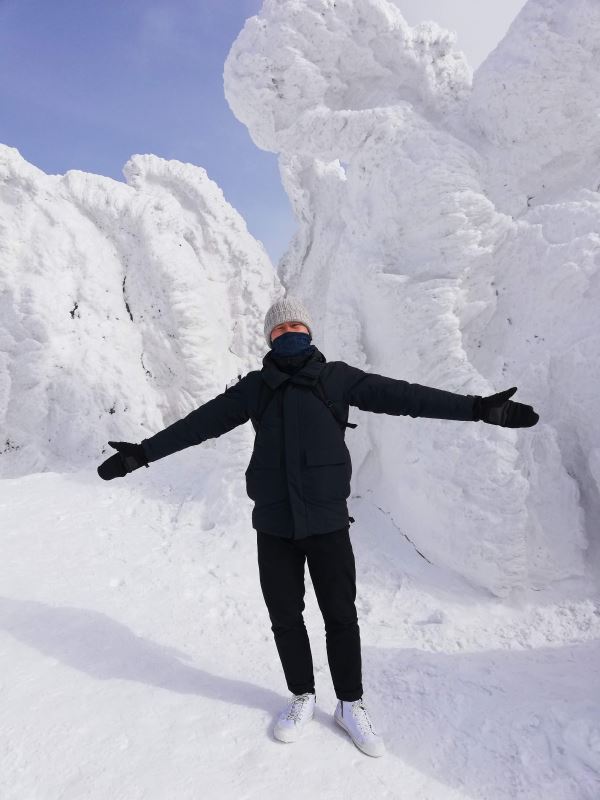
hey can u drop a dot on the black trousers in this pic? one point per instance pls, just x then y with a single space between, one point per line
332 570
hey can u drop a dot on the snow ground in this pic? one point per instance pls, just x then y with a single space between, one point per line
138 662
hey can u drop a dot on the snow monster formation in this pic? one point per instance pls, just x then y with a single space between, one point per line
122 306
448 235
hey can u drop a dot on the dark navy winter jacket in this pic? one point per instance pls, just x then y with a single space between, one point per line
300 469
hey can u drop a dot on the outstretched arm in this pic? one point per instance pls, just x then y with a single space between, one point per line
372 392
216 417
219 415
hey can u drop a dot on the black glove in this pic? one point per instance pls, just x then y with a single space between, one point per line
129 457
499 410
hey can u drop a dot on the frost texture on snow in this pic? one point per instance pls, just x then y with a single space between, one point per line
448 235
122 306
536 102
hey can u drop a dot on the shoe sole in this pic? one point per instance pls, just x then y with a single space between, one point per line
362 750
281 735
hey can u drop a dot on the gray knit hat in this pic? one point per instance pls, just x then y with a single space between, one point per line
289 309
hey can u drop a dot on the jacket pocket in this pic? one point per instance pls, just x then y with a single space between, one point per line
326 473
266 477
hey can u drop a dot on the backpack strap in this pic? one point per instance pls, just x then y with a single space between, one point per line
264 398
266 395
317 390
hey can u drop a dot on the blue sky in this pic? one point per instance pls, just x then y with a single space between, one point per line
85 84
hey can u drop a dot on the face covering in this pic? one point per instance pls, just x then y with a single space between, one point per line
291 344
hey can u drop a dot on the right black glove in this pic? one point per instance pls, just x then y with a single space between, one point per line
499 410
127 458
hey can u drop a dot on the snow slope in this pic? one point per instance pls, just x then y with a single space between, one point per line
122 306
138 663
428 253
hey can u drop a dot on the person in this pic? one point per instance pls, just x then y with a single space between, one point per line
299 480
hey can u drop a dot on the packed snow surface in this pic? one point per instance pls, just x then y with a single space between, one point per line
447 235
138 661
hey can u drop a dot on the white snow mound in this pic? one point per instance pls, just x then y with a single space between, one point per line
427 252
122 307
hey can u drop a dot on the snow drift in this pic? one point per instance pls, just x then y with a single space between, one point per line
122 307
448 236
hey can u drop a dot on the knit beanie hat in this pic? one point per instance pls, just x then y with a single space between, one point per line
288 309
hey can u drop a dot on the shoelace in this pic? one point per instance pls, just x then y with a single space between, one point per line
297 707
359 712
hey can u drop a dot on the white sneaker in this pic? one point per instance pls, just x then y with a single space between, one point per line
298 712
353 718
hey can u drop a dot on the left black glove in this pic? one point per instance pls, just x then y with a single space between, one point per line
497 409
127 458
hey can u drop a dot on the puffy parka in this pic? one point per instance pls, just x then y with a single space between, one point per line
299 472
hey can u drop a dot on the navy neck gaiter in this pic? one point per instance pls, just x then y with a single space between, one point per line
291 350
291 344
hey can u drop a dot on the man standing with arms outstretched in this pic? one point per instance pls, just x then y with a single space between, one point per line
299 479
